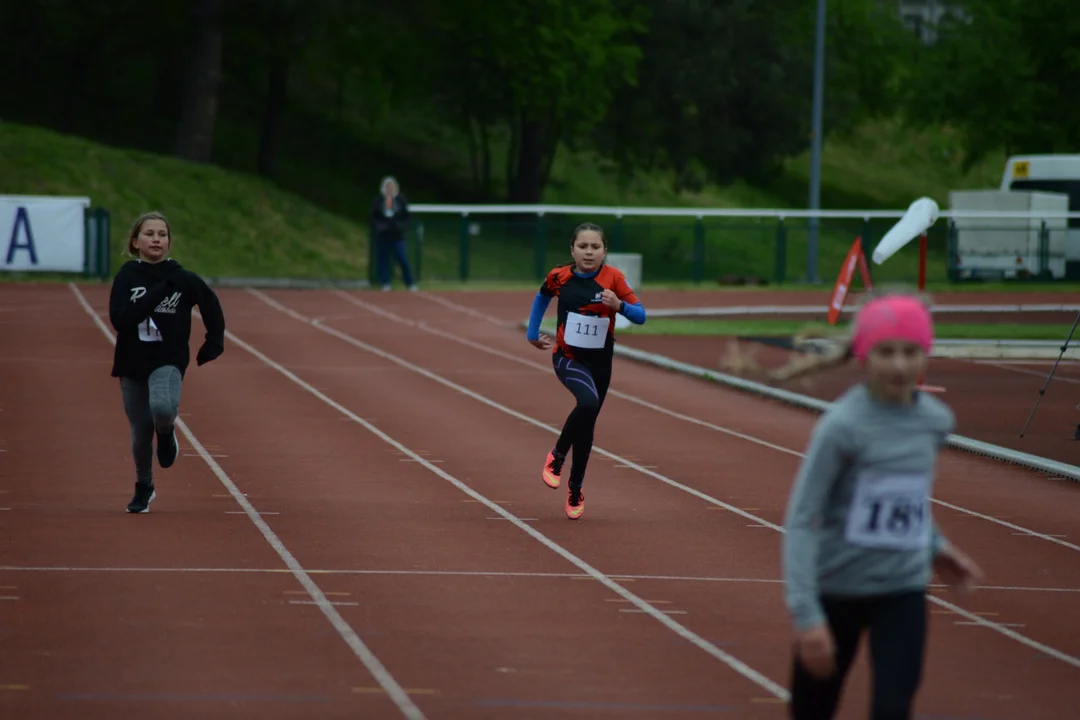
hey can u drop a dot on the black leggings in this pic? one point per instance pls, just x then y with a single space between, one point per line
589 384
897 625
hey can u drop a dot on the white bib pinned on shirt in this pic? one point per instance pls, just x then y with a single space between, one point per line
585 331
890 512
148 331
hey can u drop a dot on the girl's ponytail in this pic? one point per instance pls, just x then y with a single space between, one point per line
837 346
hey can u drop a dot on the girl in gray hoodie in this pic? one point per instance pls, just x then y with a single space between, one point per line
860 543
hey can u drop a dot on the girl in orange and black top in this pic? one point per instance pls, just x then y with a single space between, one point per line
590 293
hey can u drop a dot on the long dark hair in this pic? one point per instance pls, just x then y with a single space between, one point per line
588 226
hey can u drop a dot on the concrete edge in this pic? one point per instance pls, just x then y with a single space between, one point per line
958 442
287 283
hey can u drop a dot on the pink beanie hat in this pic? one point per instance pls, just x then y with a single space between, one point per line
892 318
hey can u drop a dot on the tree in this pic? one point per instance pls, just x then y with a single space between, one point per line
1005 76
198 118
545 71
724 86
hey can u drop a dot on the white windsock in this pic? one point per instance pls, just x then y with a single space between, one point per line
919 217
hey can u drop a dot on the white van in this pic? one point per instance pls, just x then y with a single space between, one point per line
1051 173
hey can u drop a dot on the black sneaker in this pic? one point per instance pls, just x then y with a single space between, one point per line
167 448
140 502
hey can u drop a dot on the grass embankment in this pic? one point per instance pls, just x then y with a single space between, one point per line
234 224
224 224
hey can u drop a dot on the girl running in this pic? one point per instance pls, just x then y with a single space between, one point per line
590 293
150 308
860 542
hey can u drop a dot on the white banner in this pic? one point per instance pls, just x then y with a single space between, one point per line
42 233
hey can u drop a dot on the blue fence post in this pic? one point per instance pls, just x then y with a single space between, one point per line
418 251
781 251
104 236
540 246
463 238
699 249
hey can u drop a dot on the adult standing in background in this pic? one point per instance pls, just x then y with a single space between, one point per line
389 221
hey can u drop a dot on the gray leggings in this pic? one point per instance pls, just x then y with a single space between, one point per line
150 405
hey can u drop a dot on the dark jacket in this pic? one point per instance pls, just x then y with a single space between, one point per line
390 228
150 308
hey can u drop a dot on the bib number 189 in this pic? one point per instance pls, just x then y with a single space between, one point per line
890 513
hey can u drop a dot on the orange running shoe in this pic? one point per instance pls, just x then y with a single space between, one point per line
553 469
575 503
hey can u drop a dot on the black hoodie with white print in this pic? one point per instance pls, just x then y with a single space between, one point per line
150 307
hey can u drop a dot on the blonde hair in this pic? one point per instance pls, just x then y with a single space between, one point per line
136 227
837 344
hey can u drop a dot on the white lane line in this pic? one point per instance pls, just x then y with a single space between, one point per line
374 666
502 408
468 573
1036 373
1036 645
730 660
671 413
467 310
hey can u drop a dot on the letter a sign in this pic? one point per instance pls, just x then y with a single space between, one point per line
22 222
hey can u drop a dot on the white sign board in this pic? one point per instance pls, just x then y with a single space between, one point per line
42 233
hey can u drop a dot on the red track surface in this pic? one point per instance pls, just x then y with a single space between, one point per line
190 612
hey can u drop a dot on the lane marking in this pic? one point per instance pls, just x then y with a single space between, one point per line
478 573
372 663
420 325
1036 373
730 660
1035 644
345 337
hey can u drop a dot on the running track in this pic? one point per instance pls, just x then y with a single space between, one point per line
356 528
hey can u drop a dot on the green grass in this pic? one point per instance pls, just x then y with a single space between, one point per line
786 328
223 223
229 223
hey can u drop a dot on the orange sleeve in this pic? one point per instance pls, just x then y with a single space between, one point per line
622 289
553 282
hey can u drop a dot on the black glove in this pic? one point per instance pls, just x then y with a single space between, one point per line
209 351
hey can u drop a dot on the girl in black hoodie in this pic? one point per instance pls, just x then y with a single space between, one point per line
150 307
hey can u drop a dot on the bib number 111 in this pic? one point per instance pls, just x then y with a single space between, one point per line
585 331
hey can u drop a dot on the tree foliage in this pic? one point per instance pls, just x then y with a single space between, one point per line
1005 76
711 89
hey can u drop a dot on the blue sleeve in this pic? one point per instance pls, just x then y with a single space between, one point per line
635 312
539 307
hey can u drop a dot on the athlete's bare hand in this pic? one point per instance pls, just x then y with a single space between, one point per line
609 298
816 651
543 342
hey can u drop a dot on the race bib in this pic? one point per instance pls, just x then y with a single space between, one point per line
148 331
584 331
890 512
